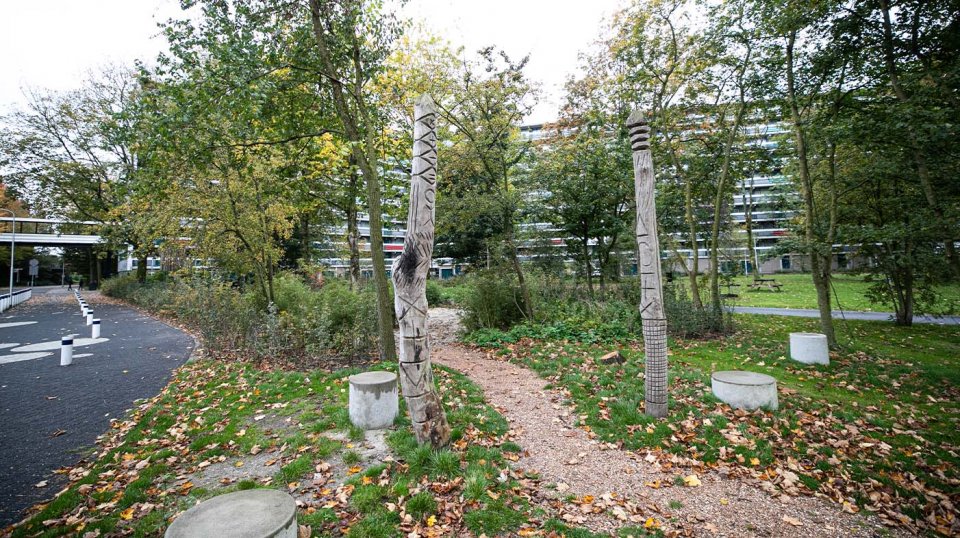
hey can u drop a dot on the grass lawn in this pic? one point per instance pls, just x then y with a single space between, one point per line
849 291
876 430
216 413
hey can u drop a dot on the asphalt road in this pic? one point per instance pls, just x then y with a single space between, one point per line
865 316
50 415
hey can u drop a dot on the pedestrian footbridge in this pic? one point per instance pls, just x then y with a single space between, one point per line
50 232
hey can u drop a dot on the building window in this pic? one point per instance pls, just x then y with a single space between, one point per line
841 261
785 263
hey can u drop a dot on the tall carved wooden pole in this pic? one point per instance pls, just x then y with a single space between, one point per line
410 284
648 265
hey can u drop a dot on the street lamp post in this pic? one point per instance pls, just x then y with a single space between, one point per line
13 249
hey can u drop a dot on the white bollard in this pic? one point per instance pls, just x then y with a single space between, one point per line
66 351
89 317
95 329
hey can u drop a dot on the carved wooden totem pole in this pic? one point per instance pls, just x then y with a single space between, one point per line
410 284
648 266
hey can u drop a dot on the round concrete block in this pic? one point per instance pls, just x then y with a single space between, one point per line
745 390
253 513
374 400
809 348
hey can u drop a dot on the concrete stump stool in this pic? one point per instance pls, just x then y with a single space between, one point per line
745 390
253 513
374 400
809 348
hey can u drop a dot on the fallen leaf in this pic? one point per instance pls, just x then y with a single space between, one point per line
127 514
40 484
691 481
793 521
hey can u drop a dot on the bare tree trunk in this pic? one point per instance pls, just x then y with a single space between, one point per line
305 240
141 268
721 189
388 346
694 272
410 272
751 245
648 265
821 279
585 243
359 128
515 260
353 231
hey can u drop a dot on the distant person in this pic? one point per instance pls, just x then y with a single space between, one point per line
80 284
69 283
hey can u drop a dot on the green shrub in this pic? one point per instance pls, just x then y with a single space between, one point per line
685 320
565 311
493 302
301 321
435 295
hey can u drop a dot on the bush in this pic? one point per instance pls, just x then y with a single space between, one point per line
435 295
566 311
493 302
685 320
332 320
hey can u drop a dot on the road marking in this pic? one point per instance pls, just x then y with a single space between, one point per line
4 359
16 324
5 346
55 344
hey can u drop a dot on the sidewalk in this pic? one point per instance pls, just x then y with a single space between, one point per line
837 314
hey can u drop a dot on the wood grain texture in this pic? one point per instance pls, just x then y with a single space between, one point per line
410 271
648 267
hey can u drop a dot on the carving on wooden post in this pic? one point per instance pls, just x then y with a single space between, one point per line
410 272
648 266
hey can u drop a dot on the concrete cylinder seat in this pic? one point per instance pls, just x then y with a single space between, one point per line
809 348
252 513
745 390
374 400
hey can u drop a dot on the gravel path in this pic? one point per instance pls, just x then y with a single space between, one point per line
565 455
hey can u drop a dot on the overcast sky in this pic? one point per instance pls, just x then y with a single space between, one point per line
53 43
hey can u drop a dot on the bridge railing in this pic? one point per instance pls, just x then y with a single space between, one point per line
8 301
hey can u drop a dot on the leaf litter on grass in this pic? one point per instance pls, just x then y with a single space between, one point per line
883 442
158 460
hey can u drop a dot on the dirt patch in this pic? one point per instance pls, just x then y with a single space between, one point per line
565 455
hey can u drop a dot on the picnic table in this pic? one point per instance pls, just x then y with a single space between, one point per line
767 283
730 286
